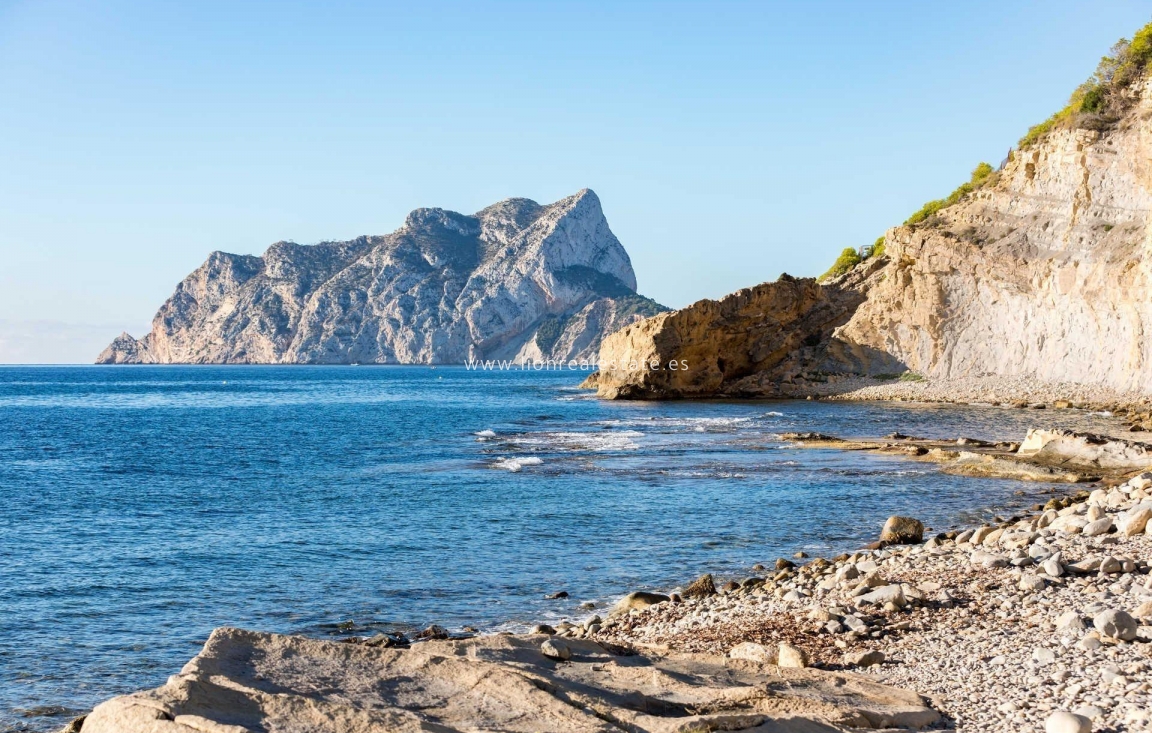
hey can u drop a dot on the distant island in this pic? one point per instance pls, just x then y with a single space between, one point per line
516 281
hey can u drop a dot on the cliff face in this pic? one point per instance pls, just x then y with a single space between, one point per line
1043 272
516 280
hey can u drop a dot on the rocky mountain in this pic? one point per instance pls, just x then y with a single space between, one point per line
1040 269
516 281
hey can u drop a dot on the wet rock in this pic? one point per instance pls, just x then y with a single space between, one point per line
556 596
433 632
387 641
543 629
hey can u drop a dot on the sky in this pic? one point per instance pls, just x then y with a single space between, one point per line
728 142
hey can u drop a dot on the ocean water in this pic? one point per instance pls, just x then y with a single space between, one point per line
140 507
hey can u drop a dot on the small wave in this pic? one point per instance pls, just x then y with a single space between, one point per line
485 434
773 414
577 441
515 465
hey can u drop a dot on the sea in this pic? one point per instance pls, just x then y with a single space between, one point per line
143 506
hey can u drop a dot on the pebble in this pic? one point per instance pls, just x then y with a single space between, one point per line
1062 721
791 656
864 659
556 649
1116 624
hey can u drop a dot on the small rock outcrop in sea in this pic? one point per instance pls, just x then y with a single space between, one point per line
1039 270
516 281
245 681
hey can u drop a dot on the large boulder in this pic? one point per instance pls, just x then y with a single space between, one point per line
638 600
902 531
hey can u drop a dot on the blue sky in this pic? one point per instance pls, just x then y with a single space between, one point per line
728 142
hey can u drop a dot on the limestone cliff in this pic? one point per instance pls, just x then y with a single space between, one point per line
516 280
1043 273
1040 270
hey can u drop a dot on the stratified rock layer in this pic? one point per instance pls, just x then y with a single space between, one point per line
245 681
1044 273
515 281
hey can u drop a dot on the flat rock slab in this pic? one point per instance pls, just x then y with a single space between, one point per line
268 683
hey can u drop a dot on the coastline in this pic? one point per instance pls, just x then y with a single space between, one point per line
999 625
972 616
1007 391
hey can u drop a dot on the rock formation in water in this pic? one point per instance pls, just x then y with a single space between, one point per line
246 681
516 281
740 344
1041 269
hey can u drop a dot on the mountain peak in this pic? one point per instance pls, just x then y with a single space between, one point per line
443 288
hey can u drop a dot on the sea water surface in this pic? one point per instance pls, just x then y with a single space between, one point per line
140 507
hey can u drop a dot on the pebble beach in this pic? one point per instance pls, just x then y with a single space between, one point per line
1041 623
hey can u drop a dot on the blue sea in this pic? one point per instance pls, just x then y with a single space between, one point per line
140 507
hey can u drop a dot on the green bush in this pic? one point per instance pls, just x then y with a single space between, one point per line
981 176
848 259
1126 63
911 377
878 247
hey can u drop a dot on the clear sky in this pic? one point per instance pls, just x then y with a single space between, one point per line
728 142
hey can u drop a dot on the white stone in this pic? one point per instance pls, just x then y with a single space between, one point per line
1116 624
1064 722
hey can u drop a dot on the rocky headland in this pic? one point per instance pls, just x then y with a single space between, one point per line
515 281
1035 272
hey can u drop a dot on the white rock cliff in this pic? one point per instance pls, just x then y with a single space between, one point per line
1042 273
516 281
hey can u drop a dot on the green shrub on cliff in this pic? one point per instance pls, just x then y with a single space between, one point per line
878 248
848 259
1098 102
981 176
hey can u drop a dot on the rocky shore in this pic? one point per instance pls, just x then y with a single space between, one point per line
1041 623
1012 391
